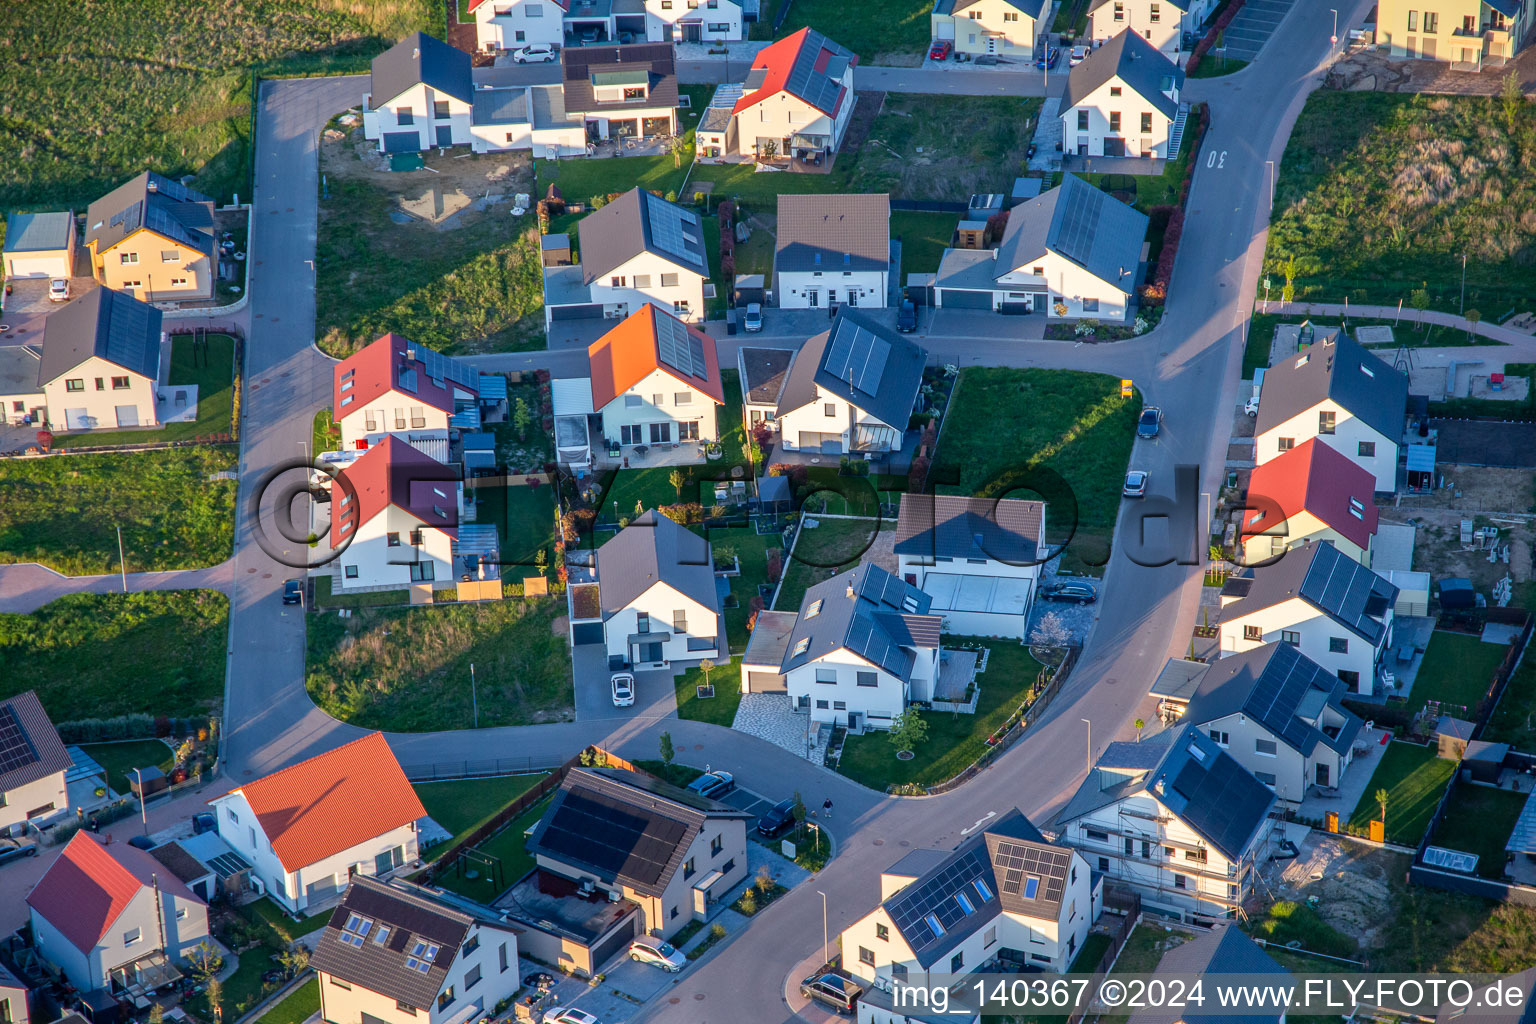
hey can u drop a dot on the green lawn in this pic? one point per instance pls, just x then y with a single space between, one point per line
580 180
1155 189
325 435
1414 778
1287 921
508 849
463 805
719 709
1456 671
1261 336
278 918
213 371
1215 65
1004 423
525 523
836 545
733 429
1514 720
751 548
639 490
1479 820
64 511
755 255
408 669
954 740
924 237
298 1006
119 759
367 599
102 655
871 30
1380 195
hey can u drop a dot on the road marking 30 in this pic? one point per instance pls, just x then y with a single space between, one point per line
1216 160
980 822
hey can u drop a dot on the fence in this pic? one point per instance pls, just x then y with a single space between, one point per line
447 771
928 206
1501 675
1128 903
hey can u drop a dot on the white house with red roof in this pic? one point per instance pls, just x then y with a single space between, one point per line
396 387
395 516
798 95
655 380
110 915
311 827
1310 493
510 24
693 21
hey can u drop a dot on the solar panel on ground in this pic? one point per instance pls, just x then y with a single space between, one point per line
15 749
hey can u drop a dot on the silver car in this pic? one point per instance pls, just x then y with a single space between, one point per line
753 320
623 689
657 953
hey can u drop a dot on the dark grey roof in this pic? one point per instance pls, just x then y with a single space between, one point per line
1179 679
833 233
866 364
624 827
952 526
501 106
984 876
1137 63
180 863
639 222
653 549
548 103
763 371
972 269
155 202
1275 685
884 621
111 324
770 638
30 748
1342 369
1036 9
917 863
1134 755
410 914
579 63
420 58
1080 223
1223 951
38 232
1327 579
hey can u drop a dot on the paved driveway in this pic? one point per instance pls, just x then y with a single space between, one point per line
655 696
1255 23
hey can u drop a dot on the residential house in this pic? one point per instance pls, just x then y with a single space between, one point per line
100 363
1310 493
33 763
1005 898
153 237
110 916
395 518
977 558
763 373
631 838
621 92
15 1001
1280 715
1341 394
835 248
22 402
314 826
39 246
530 117
658 597
511 24
851 389
694 21
395 387
1124 101
1163 23
395 953
637 249
863 647
197 876
655 380
797 99
1320 601
420 96
1175 819
1072 251
1473 33
1224 950
1004 28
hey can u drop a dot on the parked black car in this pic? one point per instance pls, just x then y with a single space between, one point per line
906 317
16 849
836 993
779 819
713 785
142 842
293 592
1080 591
203 823
1150 423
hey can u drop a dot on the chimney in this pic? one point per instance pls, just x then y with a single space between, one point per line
415 53
152 186
851 594
410 355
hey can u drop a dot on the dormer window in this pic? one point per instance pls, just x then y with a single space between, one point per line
355 930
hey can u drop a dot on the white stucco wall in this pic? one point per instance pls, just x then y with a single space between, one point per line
636 281
347 1003
1301 528
509 24
718 20
383 116
699 408
46 795
781 115
1071 284
185 921
862 288
1348 434
1099 106
878 704
392 413
378 564
1116 16
813 418
992 26
661 602
99 397
1315 630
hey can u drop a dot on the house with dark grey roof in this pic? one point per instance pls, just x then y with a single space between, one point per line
1280 715
39 245
525 117
1338 392
1006 28
851 389
101 362
978 559
832 248
396 953
1222 950
1320 601
621 92
1073 251
1123 100
797 99
763 372
420 96
33 763
660 602
634 840
153 237
1005 899
1163 23
1174 818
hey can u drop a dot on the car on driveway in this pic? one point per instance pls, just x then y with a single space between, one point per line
293 592
537 54
1076 56
1150 423
779 819
570 1015
16 849
941 49
1135 484
1080 591
836 993
58 289
623 689
753 320
1048 59
714 785
906 317
648 950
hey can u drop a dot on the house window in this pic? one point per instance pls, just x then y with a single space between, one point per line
101 385
867 678
1198 856
866 956
1413 21
1114 120
1010 17
680 307
666 5
1103 863
503 958
661 433
616 281
1115 90
1285 444
471 945
418 416
801 646
688 431
634 93
405 115
630 433
826 675
1181 881
440 108
957 963
472 978
338 983
422 572
78 384
445 998
133 935
119 383
350 571
1096 835
1325 422
381 935
1146 124
1366 450
355 930
1253 632
839 705
1357 508
128 259
688 869
178 282
964 902
716 845
642 622
1338 645
1350 679
683 398
405 1007
1119 12
1266 778
680 621
1155 14
822 705
882 932
370 419
1089 306
422 955
1221 738
1431 21
1082 126
170 256
1290 636
392 540
1267 748
814 610
829 409
934 926
669 280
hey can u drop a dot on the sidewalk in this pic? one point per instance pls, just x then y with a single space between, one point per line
1430 316
27 586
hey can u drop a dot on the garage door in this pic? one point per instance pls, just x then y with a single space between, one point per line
78 419
766 682
1114 147
1014 308
613 944
951 298
24 267
402 142
587 633
127 415
946 29
588 311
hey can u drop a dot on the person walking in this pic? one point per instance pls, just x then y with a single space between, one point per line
826 809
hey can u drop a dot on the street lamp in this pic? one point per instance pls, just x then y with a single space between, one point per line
824 942
1462 306
1333 40
1088 754
143 817
1270 167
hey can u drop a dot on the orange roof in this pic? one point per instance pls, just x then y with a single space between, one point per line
627 354
90 886
333 801
1315 478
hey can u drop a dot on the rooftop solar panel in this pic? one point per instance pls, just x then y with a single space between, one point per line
1080 221
679 348
15 749
667 231
612 837
440 367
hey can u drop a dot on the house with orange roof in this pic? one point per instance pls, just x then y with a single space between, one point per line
111 916
395 516
655 380
1310 493
798 96
395 386
313 826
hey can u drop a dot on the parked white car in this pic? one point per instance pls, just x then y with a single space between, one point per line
58 289
623 689
657 953
570 1015
539 53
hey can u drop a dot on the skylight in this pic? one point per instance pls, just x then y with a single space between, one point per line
965 903
982 891
1031 887
422 955
814 610
801 646
934 926
355 930
382 935
1357 508
1196 753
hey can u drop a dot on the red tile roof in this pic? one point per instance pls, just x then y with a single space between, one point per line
779 61
1318 479
376 370
393 472
333 801
91 884
627 354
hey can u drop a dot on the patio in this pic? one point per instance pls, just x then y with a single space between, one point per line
957 674
642 456
1370 746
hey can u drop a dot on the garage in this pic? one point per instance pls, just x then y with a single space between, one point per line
586 633
127 415
402 142
611 946
39 246
767 682
954 298
78 419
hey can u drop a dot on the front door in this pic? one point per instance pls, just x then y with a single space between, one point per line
812 297
855 721
666 33
853 296
445 135
1323 776
692 32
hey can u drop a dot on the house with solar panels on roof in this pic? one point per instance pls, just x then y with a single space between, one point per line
1073 251
659 602
637 249
798 96
153 237
656 380
1123 100
850 390
101 363
33 765
420 96
395 387
1320 601
621 92
1005 899
832 248
1175 819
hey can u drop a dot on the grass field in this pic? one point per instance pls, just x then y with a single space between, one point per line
525 523
408 669
119 759
214 376
870 30
1216 65
941 147
720 709
1261 337
1414 778
508 851
1156 189
751 548
103 655
64 512
1514 720
1381 194
924 237
296 1007
1002 424
1457 671
835 546
462 806
1479 820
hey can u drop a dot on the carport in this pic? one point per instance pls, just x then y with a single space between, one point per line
765 653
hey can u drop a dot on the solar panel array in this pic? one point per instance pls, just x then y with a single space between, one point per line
177 191
128 333
857 355
680 348
130 216
1345 589
1286 679
440 367
674 231
936 895
159 219
1079 220
817 88
15 749
866 639
612 836
1020 862
1221 800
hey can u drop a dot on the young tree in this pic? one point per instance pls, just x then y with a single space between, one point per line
749 902
522 419
908 730
1513 100
668 751
215 991
1288 293
1419 300
1140 725
770 149
706 666
764 881
156 1014
1048 637
639 508
1473 318
677 478
1381 798
679 150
